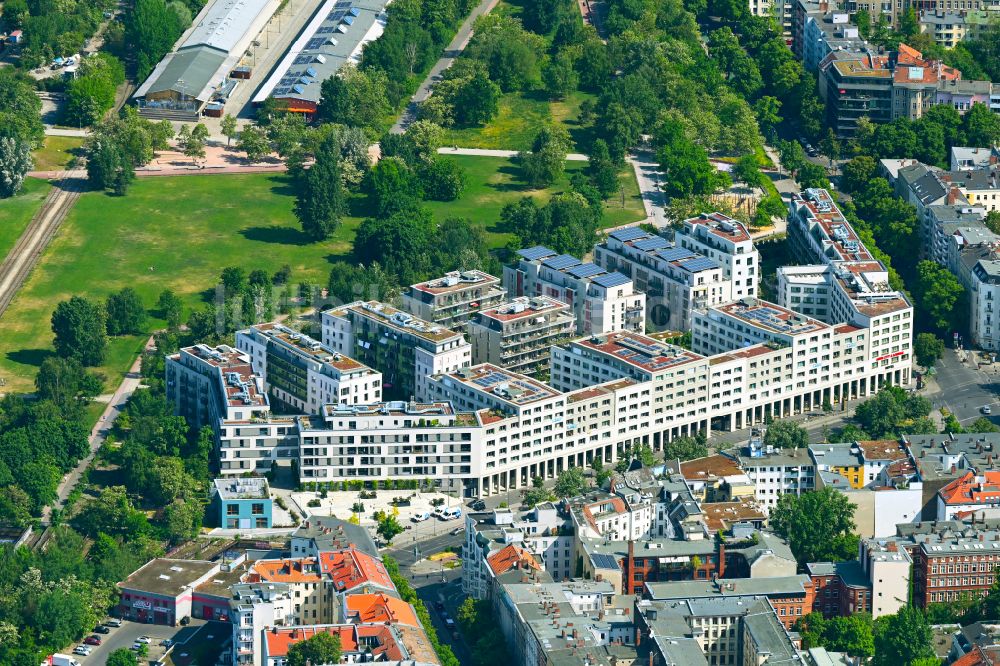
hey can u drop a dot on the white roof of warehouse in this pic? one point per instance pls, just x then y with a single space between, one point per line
223 23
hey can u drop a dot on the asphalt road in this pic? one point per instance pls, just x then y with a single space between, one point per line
965 389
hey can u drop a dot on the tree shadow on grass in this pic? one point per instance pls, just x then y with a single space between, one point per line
32 357
516 185
276 234
283 185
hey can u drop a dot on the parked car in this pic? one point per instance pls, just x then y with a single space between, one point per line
478 505
82 650
449 623
438 606
144 639
101 629
986 409
113 622
457 531
420 517
167 642
92 640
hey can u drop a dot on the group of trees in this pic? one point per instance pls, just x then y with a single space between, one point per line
20 129
120 144
91 93
81 327
52 28
152 27
567 223
891 640
483 633
818 525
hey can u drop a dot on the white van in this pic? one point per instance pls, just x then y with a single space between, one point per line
421 517
451 514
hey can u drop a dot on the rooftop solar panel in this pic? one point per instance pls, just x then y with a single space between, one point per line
602 561
302 59
585 270
314 43
674 254
536 253
652 243
610 280
562 262
698 264
628 233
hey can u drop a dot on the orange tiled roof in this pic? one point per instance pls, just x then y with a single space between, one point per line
380 607
978 657
350 567
509 557
280 639
301 570
972 489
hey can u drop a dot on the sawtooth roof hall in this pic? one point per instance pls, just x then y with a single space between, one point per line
204 55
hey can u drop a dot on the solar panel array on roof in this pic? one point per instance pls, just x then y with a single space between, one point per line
698 264
536 253
602 561
585 270
674 254
651 355
315 43
651 243
610 280
628 233
562 262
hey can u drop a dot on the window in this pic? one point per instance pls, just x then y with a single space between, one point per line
232 509
257 509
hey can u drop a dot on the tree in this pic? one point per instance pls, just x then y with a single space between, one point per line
112 513
545 162
441 179
570 482
254 142
937 292
228 126
150 32
355 97
992 221
15 507
601 473
853 634
320 201
786 434
122 657
818 525
169 305
890 412
857 174
402 240
15 163
126 314
388 527
746 171
394 187
902 638
538 493
80 330
927 348
182 520
602 170
559 75
192 142
686 164
685 448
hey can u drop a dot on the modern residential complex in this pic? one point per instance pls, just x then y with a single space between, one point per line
602 300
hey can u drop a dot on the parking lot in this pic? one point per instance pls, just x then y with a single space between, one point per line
125 635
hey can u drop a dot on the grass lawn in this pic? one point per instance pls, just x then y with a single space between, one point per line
16 212
179 232
56 153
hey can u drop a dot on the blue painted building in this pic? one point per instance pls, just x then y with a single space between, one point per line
241 503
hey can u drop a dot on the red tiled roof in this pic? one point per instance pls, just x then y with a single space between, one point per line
380 607
972 489
350 567
510 557
978 657
302 570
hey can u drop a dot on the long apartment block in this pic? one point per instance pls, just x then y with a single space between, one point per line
847 284
679 277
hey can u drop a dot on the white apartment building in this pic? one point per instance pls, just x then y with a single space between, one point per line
454 299
602 300
405 349
517 335
394 440
253 609
208 384
979 271
676 280
726 241
301 374
776 473
856 290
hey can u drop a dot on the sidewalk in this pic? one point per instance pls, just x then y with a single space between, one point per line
487 152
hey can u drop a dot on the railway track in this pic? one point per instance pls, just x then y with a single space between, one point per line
40 231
